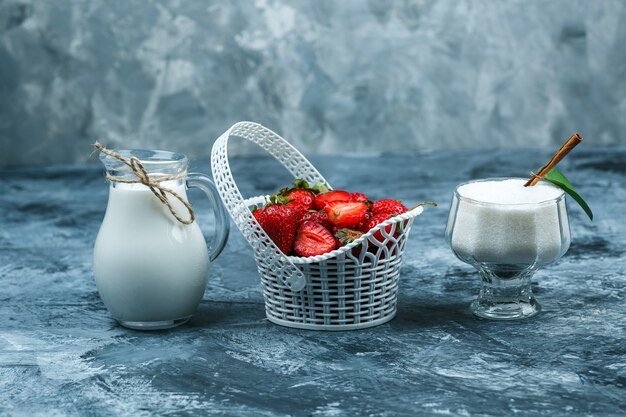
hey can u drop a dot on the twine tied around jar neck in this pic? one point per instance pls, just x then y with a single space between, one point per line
154 184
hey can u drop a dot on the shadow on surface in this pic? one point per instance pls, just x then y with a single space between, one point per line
225 313
415 312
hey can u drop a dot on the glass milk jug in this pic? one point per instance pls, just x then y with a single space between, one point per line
150 257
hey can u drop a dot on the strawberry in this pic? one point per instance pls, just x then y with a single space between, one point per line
280 224
346 213
316 216
301 202
322 200
375 220
368 216
313 239
360 197
392 207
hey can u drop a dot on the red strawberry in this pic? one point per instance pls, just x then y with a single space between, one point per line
368 216
388 206
279 223
346 214
316 216
313 239
322 200
301 202
360 197
375 220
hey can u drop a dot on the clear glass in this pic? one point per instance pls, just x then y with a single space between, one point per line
150 269
507 243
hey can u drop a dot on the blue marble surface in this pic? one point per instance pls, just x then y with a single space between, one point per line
330 75
62 354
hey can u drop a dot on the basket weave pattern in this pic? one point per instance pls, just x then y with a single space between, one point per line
352 287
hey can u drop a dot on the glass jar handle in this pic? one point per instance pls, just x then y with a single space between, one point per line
222 222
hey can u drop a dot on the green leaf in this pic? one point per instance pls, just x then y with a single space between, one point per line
557 178
298 184
321 188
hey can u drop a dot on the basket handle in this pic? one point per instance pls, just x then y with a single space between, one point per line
290 158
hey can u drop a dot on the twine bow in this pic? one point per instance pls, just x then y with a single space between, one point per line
154 184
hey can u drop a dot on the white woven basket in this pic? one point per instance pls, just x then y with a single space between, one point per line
353 287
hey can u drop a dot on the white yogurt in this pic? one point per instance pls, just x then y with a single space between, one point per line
501 221
148 266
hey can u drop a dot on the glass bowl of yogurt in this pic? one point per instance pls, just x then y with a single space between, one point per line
507 232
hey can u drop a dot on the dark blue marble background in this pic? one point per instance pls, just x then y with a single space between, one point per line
61 354
330 75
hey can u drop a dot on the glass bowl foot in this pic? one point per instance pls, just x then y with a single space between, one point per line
154 325
505 310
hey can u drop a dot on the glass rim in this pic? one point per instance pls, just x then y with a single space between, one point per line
149 156
486 203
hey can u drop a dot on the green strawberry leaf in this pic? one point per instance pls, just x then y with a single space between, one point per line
557 178
430 203
321 188
300 184
347 236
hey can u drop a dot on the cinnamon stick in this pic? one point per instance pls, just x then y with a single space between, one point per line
570 144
